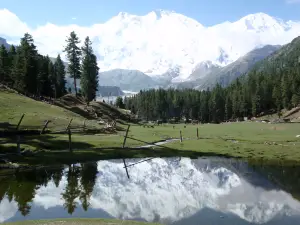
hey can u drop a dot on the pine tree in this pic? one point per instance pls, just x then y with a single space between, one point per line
276 94
60 76
119 103
73 56
11 60
30 57
25 69
17 71
52 79
89 69
94 76
4 65
295 100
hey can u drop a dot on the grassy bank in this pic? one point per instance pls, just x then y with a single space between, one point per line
79 222
256 141
249 140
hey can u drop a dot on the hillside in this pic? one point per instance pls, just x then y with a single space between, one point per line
59 112
224 76
132 80
271 85
3 42
208 75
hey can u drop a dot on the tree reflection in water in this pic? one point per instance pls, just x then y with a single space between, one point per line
21 187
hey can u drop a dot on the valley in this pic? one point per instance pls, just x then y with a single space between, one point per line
149 118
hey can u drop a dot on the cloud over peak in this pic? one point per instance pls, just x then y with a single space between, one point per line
157 43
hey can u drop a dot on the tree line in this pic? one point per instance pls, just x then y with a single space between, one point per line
25 70
272 85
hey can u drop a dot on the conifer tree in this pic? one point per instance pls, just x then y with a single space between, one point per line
25 69
73 55
4 65
89 69
60 77
119 102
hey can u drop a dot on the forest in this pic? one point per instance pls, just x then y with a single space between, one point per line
25 70
272 85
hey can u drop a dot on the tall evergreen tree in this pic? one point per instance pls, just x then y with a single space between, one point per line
25 69
44 83
52 79
4 65
73 56
89 72
60 75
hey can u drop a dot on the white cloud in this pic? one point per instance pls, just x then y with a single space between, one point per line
11 25
148 44
49 38
73 18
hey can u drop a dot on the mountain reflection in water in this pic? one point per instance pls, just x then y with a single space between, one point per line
168 191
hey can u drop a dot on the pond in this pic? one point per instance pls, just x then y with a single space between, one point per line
179 191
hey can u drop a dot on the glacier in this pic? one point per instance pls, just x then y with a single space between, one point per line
161 40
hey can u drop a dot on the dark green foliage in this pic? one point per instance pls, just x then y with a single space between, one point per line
4 65
120 103
88 180
25 66
270 86
73 55
30 73
60 77
72 190
45 77
89 72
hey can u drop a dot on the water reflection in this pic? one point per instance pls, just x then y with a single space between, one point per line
169 191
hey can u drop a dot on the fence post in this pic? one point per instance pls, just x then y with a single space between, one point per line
126 168
67 128
180 136
70 140
20 121
124 142
84 125
197 133
18 144
125 137
46 124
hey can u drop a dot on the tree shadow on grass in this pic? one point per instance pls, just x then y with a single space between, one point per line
46 142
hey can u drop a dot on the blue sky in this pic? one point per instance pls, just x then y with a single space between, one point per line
87 12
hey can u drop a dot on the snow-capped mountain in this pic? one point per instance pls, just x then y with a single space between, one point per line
170 191
163 40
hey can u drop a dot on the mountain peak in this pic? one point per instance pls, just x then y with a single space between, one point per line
163 12
261 22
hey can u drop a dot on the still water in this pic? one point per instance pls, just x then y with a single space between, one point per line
179 191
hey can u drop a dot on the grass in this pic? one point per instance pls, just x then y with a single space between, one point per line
254 141
36 112
251 140
79 222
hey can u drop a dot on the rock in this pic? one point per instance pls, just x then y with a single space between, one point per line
13 165
3 161
27 153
